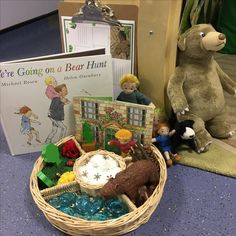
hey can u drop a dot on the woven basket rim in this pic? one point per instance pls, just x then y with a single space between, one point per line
77 226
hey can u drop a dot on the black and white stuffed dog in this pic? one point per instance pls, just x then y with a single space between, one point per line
184 134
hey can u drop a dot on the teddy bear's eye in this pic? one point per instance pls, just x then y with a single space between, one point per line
202 34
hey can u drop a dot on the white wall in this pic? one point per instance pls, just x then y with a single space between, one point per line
16 11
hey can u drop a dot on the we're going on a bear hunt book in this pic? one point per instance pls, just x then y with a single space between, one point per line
37 94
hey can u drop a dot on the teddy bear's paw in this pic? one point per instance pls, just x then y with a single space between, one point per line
179 113
231 133
202 140
205 148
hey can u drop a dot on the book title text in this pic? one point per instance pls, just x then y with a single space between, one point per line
40 72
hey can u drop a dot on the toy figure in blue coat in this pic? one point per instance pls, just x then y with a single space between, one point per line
129 84
163 140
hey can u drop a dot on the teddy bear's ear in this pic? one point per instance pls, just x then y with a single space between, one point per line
182 42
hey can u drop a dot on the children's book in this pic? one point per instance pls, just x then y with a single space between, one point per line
37 93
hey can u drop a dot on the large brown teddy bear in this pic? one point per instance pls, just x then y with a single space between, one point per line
196 88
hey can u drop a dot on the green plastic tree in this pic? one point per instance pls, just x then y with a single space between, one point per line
88 135
51 154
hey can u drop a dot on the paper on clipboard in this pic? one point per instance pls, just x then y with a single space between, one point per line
89 35
84 36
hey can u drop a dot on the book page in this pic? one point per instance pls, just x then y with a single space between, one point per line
84 36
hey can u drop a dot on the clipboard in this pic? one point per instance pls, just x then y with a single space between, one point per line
156 32
130 13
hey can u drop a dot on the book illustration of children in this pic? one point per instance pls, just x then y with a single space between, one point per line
28 117
56 113
51 83
50 92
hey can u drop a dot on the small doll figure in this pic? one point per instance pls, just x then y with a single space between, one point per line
164 142
129 84
159 116
124 141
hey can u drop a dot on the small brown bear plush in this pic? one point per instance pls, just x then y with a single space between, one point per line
130 180
196 88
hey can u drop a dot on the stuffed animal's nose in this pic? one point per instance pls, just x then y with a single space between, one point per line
191 136
221 36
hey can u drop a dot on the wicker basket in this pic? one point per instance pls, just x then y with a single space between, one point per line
89 188
76 226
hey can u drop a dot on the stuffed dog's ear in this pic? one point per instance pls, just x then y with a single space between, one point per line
189 123
182 42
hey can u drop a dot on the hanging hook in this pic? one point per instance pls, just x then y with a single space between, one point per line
93 10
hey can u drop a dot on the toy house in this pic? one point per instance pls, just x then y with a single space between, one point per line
97 121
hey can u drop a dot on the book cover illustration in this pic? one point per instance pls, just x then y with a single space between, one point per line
36 97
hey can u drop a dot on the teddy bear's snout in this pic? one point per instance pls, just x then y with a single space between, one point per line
214 41
221 36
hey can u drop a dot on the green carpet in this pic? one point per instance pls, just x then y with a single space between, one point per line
220 159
